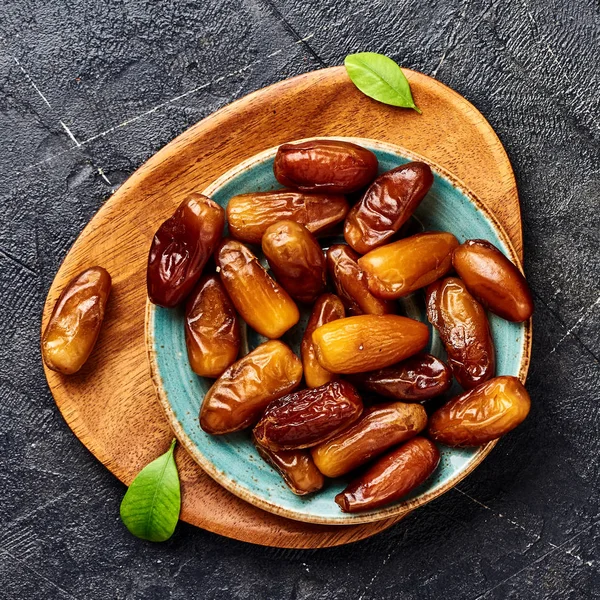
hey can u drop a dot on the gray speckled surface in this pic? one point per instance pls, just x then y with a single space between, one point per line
526 523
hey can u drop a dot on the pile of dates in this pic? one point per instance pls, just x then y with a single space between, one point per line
363 398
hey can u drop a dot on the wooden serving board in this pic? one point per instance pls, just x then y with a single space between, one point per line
110 404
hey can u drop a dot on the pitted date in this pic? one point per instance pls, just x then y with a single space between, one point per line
493 280
379 428
249 215
238 398
296 259
391 477
482 414
351 283
327 308
296 468
368 342
325 165
402 267
74 326
259 299
464 329
387 205
308 417
212 328
415 379
180 249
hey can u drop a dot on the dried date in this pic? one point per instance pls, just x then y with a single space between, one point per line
379 428
180 249
308 417
75 323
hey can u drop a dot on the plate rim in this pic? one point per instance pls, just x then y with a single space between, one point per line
231 485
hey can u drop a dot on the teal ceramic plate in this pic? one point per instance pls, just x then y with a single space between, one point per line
232 459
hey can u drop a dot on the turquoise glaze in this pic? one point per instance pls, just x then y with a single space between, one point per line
232 459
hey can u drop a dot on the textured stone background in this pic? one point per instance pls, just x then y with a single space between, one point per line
116 76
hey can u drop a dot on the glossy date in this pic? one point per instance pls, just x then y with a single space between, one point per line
493 280
237 399
249 215
325 165
351 283
308 417
464 329
391 477
482 414
259 299
296 259
296 468
379 428
368 342
387 205
402 267
327 308
75 323
180 249
212 328
415 379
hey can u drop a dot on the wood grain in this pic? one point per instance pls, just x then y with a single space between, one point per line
111 404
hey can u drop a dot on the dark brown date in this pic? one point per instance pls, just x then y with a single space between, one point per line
416 379
368 342
325 165
74 326
180 249
249 215
212 328
402 267
493 280
379 428
237 399
386 206
464 329
482 414
296 259
259 299
327 308
391 477
308 417
296 468
351 283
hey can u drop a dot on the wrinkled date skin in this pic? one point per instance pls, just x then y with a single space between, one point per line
237 399
296 468
259 299
351 283
296 259
391 477
402 267
387 205
325 165
326 309
379 428
74 326
308 417
368 342
212 328
249 215
464 329
493 280
416 379
180 249
482 414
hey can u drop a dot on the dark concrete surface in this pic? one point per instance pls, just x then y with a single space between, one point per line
122 78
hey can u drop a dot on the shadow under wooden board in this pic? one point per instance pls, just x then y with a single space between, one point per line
111 404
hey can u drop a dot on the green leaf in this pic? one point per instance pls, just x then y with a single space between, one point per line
379 77
150 508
